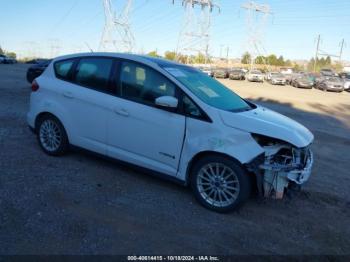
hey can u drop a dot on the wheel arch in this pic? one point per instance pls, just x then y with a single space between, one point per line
203 154
46 113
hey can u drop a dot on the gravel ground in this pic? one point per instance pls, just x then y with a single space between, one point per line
82 204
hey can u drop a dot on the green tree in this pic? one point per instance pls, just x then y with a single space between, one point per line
1 51
272 59
246 58
288 63
153 53
199 59
12 55
280 61
170 55
260 60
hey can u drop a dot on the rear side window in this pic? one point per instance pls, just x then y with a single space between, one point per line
62 69
94 73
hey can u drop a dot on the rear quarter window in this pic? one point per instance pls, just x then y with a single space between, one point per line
62 69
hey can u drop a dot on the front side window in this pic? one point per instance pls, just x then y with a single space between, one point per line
62 69
190 108
209 90
94 73
143 84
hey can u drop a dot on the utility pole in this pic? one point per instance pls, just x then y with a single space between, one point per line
317 50
341 50
227 52
257 15
117 35
194 37
54 47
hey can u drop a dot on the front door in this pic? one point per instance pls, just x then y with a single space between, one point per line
138 131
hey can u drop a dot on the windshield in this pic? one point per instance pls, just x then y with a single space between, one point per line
207 89
277 75
255 72
334 79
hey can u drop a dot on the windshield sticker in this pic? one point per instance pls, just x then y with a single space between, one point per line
175 72
209 92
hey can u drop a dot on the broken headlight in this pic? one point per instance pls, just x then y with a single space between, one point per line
266 140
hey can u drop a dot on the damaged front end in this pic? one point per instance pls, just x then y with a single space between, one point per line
280 166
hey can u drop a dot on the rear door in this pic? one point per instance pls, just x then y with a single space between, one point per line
138 131
84 97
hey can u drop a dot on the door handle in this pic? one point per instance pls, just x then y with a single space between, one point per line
121 112
68 95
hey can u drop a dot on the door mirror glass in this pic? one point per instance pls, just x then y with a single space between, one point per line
167 101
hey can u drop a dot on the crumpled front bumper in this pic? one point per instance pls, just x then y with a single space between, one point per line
273 178
301 176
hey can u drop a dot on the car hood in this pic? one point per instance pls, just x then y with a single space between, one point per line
266 122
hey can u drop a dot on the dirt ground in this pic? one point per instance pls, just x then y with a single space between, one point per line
82 204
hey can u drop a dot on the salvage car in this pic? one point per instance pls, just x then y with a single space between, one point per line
334 84
237 74
255 76
207 70
302 81
36 70
172 120
2 59
346 78
277 78
7 60
221 73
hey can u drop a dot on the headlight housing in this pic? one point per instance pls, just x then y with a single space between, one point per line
266 140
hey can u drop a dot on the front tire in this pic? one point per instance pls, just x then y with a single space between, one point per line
52 136
219 183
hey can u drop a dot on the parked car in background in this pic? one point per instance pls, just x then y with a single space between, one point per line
221 73
276 78
207 70
255 76
302 81
293 77
237 74
346 78
36 70
7 60
334 84
327 72
37 61
193 129
2 59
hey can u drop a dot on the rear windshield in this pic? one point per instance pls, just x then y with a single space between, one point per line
209 90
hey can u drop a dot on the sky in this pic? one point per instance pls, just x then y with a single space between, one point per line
55 27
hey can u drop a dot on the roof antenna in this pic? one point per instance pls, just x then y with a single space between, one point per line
89 47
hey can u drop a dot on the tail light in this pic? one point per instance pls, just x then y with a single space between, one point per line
35 86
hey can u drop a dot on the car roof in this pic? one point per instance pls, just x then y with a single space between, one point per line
138 58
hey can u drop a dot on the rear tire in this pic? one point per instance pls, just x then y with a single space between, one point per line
219 183
52 136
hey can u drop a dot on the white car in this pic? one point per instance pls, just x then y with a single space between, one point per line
172 120
255 76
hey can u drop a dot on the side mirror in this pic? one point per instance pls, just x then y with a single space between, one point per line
167 102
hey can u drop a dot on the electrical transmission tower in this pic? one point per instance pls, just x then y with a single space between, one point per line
257 17
117 35
194 36
319 52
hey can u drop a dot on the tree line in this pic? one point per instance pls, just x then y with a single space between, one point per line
9 54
